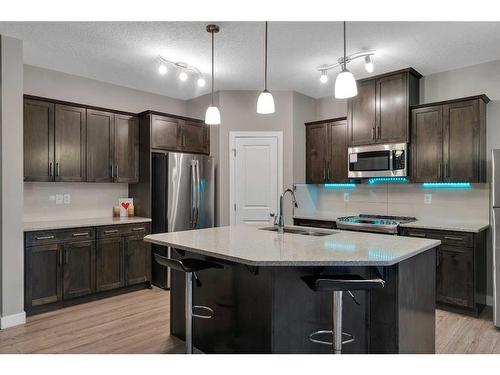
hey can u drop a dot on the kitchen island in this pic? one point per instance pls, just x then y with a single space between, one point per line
262 305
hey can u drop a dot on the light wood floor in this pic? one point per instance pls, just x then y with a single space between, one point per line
138 322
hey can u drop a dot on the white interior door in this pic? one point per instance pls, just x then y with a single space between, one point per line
255 177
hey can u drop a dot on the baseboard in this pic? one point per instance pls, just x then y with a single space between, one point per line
12 320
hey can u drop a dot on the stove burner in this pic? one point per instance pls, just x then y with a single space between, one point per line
373 223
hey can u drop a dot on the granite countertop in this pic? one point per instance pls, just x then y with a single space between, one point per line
453 225
249 245
30 226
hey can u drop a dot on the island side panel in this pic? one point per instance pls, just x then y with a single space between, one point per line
299 311
417 304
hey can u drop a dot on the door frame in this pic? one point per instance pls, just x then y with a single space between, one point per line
233 135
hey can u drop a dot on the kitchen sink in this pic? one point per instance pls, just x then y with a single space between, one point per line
304 232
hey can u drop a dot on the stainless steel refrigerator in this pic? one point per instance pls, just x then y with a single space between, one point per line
182 199
495 214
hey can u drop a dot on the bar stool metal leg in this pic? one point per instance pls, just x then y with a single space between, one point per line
189 312
337 322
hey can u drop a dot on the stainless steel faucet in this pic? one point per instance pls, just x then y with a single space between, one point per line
281 223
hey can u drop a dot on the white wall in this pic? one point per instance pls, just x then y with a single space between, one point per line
87 199
11 186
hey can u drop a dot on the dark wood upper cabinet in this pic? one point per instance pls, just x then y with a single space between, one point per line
100 135
38 141
164 132
326 151
380 112
110 264
69 143
43 271
79 268
361 114
337 164
449 141
195 137
126 148
427 144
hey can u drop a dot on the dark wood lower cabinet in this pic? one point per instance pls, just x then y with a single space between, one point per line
65 267
79 269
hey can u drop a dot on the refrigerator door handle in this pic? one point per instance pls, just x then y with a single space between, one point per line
198 193
193 193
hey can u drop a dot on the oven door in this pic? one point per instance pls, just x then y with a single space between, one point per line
377 161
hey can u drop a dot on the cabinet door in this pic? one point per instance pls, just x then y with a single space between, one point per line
43 275
461 141
100 128
38 140
427 144
195 137
455 276
164 132
79 269
126 149
70 139
316 153
361 115
392 109
337 162
109 264
137 260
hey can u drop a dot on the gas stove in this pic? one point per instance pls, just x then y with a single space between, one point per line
373 223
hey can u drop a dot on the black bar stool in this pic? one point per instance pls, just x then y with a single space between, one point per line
189 266
337 284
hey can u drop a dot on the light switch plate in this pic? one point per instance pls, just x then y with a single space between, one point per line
428 198
346 197
59 199
67 198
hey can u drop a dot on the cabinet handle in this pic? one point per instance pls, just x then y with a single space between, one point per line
328 171
373 132
453 251
111 231
446 170
51 237
57 170
112 171
51 169
417 234
80 234
440 169
60 257
138 229
116 171
453 238
324 172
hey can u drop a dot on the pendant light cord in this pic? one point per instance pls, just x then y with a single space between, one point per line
212 68
265 62
344 47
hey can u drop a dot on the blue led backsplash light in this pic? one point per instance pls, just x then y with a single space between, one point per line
340 186
385 180
446 185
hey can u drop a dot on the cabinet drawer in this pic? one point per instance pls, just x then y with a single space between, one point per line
122 230
59 235
447 238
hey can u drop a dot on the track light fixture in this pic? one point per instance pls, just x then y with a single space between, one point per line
184 68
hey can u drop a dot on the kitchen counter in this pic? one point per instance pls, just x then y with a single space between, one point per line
30 226
451 225
252 246
259 293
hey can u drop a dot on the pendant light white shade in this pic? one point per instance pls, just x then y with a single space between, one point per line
345 85
212 116
265 103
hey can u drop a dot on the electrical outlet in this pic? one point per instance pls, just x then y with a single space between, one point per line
427 198
67 198
346 197
59 199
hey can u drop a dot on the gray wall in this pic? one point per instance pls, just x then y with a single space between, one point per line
329 107
12 302
304 109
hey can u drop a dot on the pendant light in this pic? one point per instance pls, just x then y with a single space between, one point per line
265 103
212 116
345 83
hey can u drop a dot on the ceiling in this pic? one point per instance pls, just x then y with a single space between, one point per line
125 53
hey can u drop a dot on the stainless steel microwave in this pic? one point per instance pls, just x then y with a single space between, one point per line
384 160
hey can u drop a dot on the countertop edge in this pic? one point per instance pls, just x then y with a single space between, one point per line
435 243
69 225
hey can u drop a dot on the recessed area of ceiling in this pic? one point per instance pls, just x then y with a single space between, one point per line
126 53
